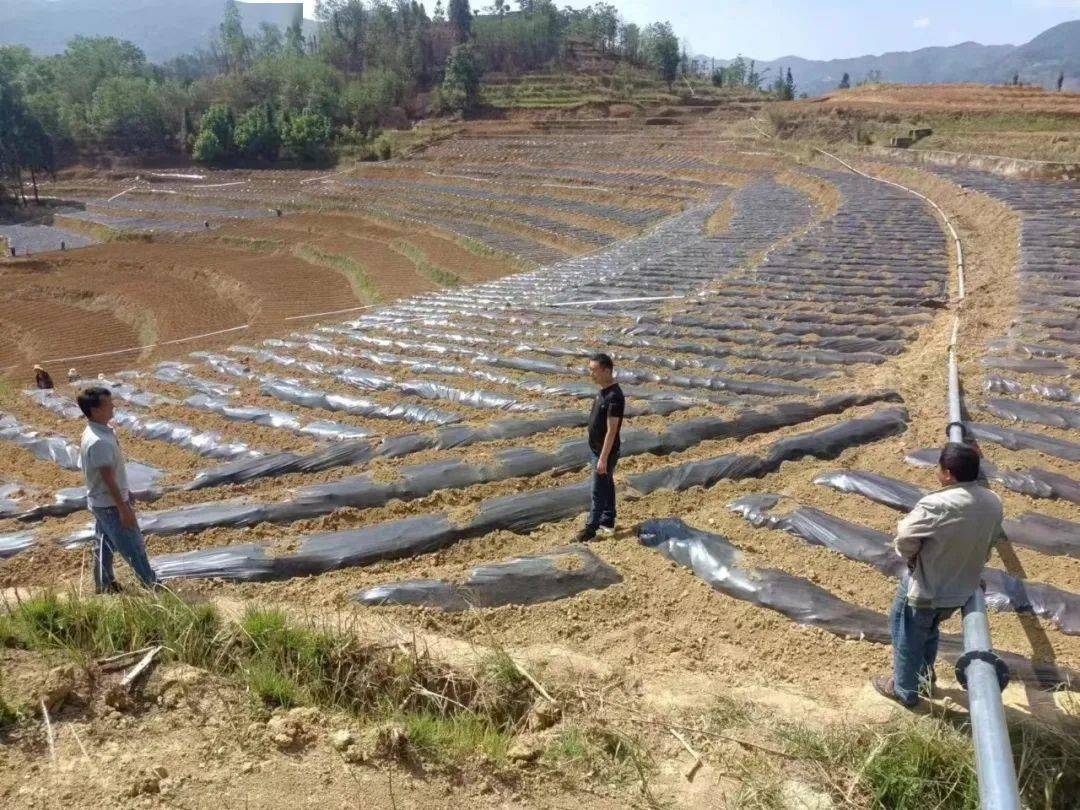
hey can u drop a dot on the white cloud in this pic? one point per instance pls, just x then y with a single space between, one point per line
921 22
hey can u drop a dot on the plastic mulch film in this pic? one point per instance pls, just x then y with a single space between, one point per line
547 577
878 488
209 445
715 560
1021 440
1043 533
142 482
1015 410
330 551
56 449
1034 481
821 529
826 442
1006 385
14 542
298 394
178 374
1004 592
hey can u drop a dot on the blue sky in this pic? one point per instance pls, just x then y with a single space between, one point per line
824 29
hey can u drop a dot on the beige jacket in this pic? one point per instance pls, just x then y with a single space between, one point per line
947 539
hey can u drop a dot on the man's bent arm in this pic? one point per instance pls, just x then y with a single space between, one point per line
917 526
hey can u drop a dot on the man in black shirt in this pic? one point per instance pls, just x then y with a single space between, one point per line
605 421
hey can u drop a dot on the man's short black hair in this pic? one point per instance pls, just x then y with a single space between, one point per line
961 460
603 359
90 398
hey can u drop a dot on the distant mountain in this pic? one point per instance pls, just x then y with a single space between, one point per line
1038 62
162 28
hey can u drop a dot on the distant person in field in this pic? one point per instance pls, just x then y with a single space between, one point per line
605 422
42 379
72 375
107 494
946 540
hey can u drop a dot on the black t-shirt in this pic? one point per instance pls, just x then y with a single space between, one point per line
609 402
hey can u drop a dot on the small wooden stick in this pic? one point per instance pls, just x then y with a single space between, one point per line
533 681
49 730
139 668
82 747
698 762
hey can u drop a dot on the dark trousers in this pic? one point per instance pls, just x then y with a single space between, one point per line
915 634
602 512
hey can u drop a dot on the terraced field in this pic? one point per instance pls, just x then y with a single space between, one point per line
423 460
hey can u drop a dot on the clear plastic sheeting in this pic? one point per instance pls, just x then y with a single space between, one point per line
15 542
238 413
1034 481
1043 533
334 550
54 402
1015 410
56 449
1006 385
1004 592
298 394
142 482
209 445
826 442
821 529
715 560
878 488
178 374
547 577
1021 440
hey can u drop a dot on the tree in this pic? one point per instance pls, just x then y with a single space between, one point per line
216 142
1016 79
234 45
789 86
664 51
1061 80
307 135
630 42
845 82
346 24
460 17
439 13
126 114
256 134
460 91
294 39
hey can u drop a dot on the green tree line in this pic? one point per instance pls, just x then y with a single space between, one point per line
265 95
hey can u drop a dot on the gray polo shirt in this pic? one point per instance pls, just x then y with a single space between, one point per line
99 448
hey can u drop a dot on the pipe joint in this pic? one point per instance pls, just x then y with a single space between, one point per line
1000 667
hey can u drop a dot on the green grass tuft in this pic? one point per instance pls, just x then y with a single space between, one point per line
358 277
452 738
424 265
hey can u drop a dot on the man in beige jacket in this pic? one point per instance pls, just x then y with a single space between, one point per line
946 540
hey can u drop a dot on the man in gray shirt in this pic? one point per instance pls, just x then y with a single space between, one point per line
946 540
108 496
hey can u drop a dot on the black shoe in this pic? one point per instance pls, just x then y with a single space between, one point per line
112 587
585 535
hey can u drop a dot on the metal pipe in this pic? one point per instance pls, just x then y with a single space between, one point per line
979 670
989 731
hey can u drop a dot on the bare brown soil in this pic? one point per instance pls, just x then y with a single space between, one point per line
980 98
660 647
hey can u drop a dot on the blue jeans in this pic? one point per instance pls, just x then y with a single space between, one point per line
602 512
915 634
110 537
